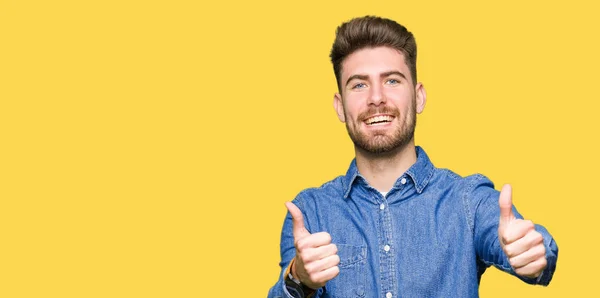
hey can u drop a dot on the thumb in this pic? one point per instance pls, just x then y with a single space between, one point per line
505 203
297 220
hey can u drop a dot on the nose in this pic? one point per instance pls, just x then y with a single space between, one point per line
376 96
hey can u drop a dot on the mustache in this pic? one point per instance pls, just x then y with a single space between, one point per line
378 110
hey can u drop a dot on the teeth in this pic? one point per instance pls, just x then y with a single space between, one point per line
379 119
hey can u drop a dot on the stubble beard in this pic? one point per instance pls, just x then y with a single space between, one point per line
380 142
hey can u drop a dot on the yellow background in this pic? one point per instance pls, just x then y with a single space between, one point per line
148 147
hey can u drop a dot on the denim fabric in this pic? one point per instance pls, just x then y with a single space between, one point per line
432 235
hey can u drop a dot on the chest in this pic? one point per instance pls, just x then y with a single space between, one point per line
390 243
421 222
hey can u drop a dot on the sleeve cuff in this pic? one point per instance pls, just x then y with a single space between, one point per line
551 257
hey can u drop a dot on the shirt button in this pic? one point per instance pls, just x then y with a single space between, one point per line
382 206
386 248
388 295
403 181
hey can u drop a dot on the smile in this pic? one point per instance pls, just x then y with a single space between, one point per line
379 119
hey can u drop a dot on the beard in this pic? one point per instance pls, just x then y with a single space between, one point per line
380 142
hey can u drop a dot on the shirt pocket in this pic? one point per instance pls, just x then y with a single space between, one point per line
351 280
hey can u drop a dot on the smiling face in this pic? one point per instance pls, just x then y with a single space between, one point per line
378 100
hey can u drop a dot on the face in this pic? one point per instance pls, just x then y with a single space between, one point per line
378 100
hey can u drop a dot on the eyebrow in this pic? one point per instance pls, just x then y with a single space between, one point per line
382 75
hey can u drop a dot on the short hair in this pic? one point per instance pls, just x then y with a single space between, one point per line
371 32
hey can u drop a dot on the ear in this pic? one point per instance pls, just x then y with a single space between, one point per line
338 105
421 97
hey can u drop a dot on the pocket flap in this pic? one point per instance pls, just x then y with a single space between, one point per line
351 254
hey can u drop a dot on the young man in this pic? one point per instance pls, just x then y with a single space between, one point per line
395 225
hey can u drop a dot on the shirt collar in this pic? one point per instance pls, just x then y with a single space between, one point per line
420 172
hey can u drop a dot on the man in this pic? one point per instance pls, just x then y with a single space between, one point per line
395 225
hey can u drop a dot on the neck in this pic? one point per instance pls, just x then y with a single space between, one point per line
382 170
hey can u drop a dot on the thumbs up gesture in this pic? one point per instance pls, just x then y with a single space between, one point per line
316 257
521 243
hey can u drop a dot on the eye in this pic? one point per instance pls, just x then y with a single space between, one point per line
392 82
359 86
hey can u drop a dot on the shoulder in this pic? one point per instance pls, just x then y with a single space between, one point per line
475 193
448 178
471 190
328 190
316 201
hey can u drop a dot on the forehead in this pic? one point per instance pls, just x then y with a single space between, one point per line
374 61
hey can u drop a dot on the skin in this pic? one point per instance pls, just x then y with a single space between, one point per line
316 257
377 82
521 243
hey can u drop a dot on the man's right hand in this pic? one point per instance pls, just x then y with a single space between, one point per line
316 257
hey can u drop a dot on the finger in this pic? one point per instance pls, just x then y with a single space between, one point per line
322 264
533 269
505 203
531 239
298 229
326 275
318 253
313 240
533 254
517 230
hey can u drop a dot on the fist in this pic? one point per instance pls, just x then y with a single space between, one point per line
316 257
521 243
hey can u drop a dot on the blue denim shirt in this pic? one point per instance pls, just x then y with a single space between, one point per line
432 235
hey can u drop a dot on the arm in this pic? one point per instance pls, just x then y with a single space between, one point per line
504 239
287 252
313 258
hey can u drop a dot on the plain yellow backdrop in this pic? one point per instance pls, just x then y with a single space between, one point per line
148 147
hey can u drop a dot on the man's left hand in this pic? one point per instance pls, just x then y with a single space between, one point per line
522 244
